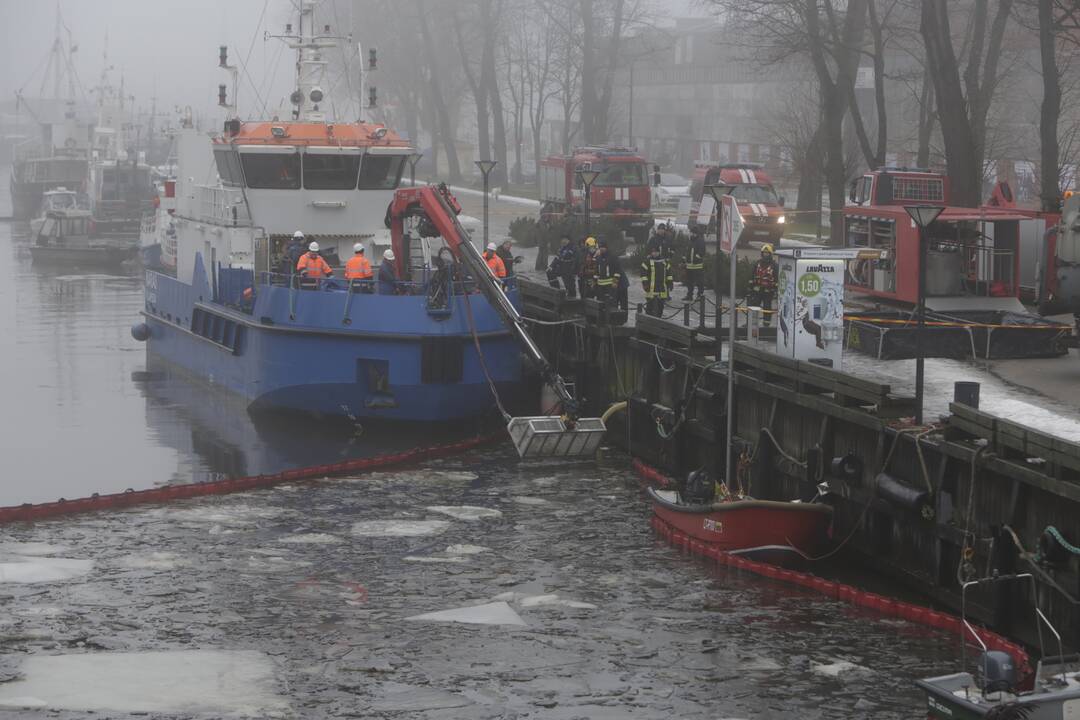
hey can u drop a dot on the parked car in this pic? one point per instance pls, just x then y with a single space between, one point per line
672 187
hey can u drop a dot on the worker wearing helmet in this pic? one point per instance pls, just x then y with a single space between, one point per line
494 262
662 238
656 281
587 273
312 265
388 279
763 283
293 252
608 273
695 263
564 267
506 254
358 267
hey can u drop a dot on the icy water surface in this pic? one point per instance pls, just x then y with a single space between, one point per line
393 595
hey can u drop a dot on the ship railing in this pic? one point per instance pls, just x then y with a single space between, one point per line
332 284
222 206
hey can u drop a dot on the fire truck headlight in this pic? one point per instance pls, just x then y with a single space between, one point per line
780 220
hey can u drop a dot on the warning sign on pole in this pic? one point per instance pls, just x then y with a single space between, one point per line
731 225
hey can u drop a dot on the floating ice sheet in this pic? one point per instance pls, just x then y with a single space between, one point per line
493 613
310 539
528 500
398 528
465 512
153 561
181 682
436 558
43 570
537 600
466 549
837 668
32 549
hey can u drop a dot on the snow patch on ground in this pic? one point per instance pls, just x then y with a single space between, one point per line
465 512
398 528
181 682
310 539
43 570
493 613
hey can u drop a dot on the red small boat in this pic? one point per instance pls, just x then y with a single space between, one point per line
782 533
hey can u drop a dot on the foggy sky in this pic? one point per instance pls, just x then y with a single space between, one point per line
164 46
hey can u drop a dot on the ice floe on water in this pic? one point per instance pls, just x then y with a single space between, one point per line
527 500
540 599
399 528
465 512
466 549
310 539
239 683
837 668
235 514
43 570
493 613
31 549
153 561
414 477
436 558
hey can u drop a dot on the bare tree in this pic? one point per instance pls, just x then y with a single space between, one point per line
433 87
963 106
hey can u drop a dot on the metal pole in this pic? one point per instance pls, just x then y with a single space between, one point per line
486 210
630 129
731 364
717 277
588 206
919 329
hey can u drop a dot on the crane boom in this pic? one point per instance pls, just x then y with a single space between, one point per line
438 210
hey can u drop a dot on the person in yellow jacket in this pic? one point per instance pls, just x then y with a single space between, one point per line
657 281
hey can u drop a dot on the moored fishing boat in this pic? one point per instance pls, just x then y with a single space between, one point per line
63 238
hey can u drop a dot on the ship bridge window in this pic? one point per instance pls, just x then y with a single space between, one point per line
331 168
271 168
228 166
381 172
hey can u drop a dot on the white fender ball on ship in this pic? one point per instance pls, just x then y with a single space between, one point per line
140 331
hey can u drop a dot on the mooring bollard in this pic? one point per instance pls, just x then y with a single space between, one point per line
686 315
966 392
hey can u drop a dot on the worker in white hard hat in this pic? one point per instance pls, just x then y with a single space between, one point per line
388 276
494 262
358 267
294 250
312 265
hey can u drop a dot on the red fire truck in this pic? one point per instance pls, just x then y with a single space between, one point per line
622 191
973 254
762 209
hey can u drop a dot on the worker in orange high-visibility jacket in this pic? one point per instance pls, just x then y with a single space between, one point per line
494 262
358 267
312 265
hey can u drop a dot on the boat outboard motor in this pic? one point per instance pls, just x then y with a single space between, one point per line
998 671
699 488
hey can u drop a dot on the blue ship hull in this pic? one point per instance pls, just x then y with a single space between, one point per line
331 352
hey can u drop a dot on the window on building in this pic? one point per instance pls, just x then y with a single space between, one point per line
381 172
271 171
330 171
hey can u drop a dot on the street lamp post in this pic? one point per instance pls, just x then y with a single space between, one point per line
413 159
588 177
718 193
486 166
924 216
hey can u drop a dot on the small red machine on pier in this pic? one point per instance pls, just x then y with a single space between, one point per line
973 254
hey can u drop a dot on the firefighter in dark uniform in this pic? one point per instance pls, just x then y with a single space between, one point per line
661 238
695 263
608 274
657 281
763 283
564 266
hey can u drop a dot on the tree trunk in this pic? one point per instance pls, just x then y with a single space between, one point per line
603 109
961 153
479 89
1050 112
926 119
589 99
446 132
489 77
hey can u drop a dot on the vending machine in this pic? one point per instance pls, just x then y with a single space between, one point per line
810 305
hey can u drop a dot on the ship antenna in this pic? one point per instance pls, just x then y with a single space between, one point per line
311 64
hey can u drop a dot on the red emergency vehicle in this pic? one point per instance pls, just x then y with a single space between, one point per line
622 191
973 254
761 208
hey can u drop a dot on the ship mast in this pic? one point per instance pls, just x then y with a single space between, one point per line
309 97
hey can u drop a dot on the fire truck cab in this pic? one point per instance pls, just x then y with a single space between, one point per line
972 258
761 208
622 191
